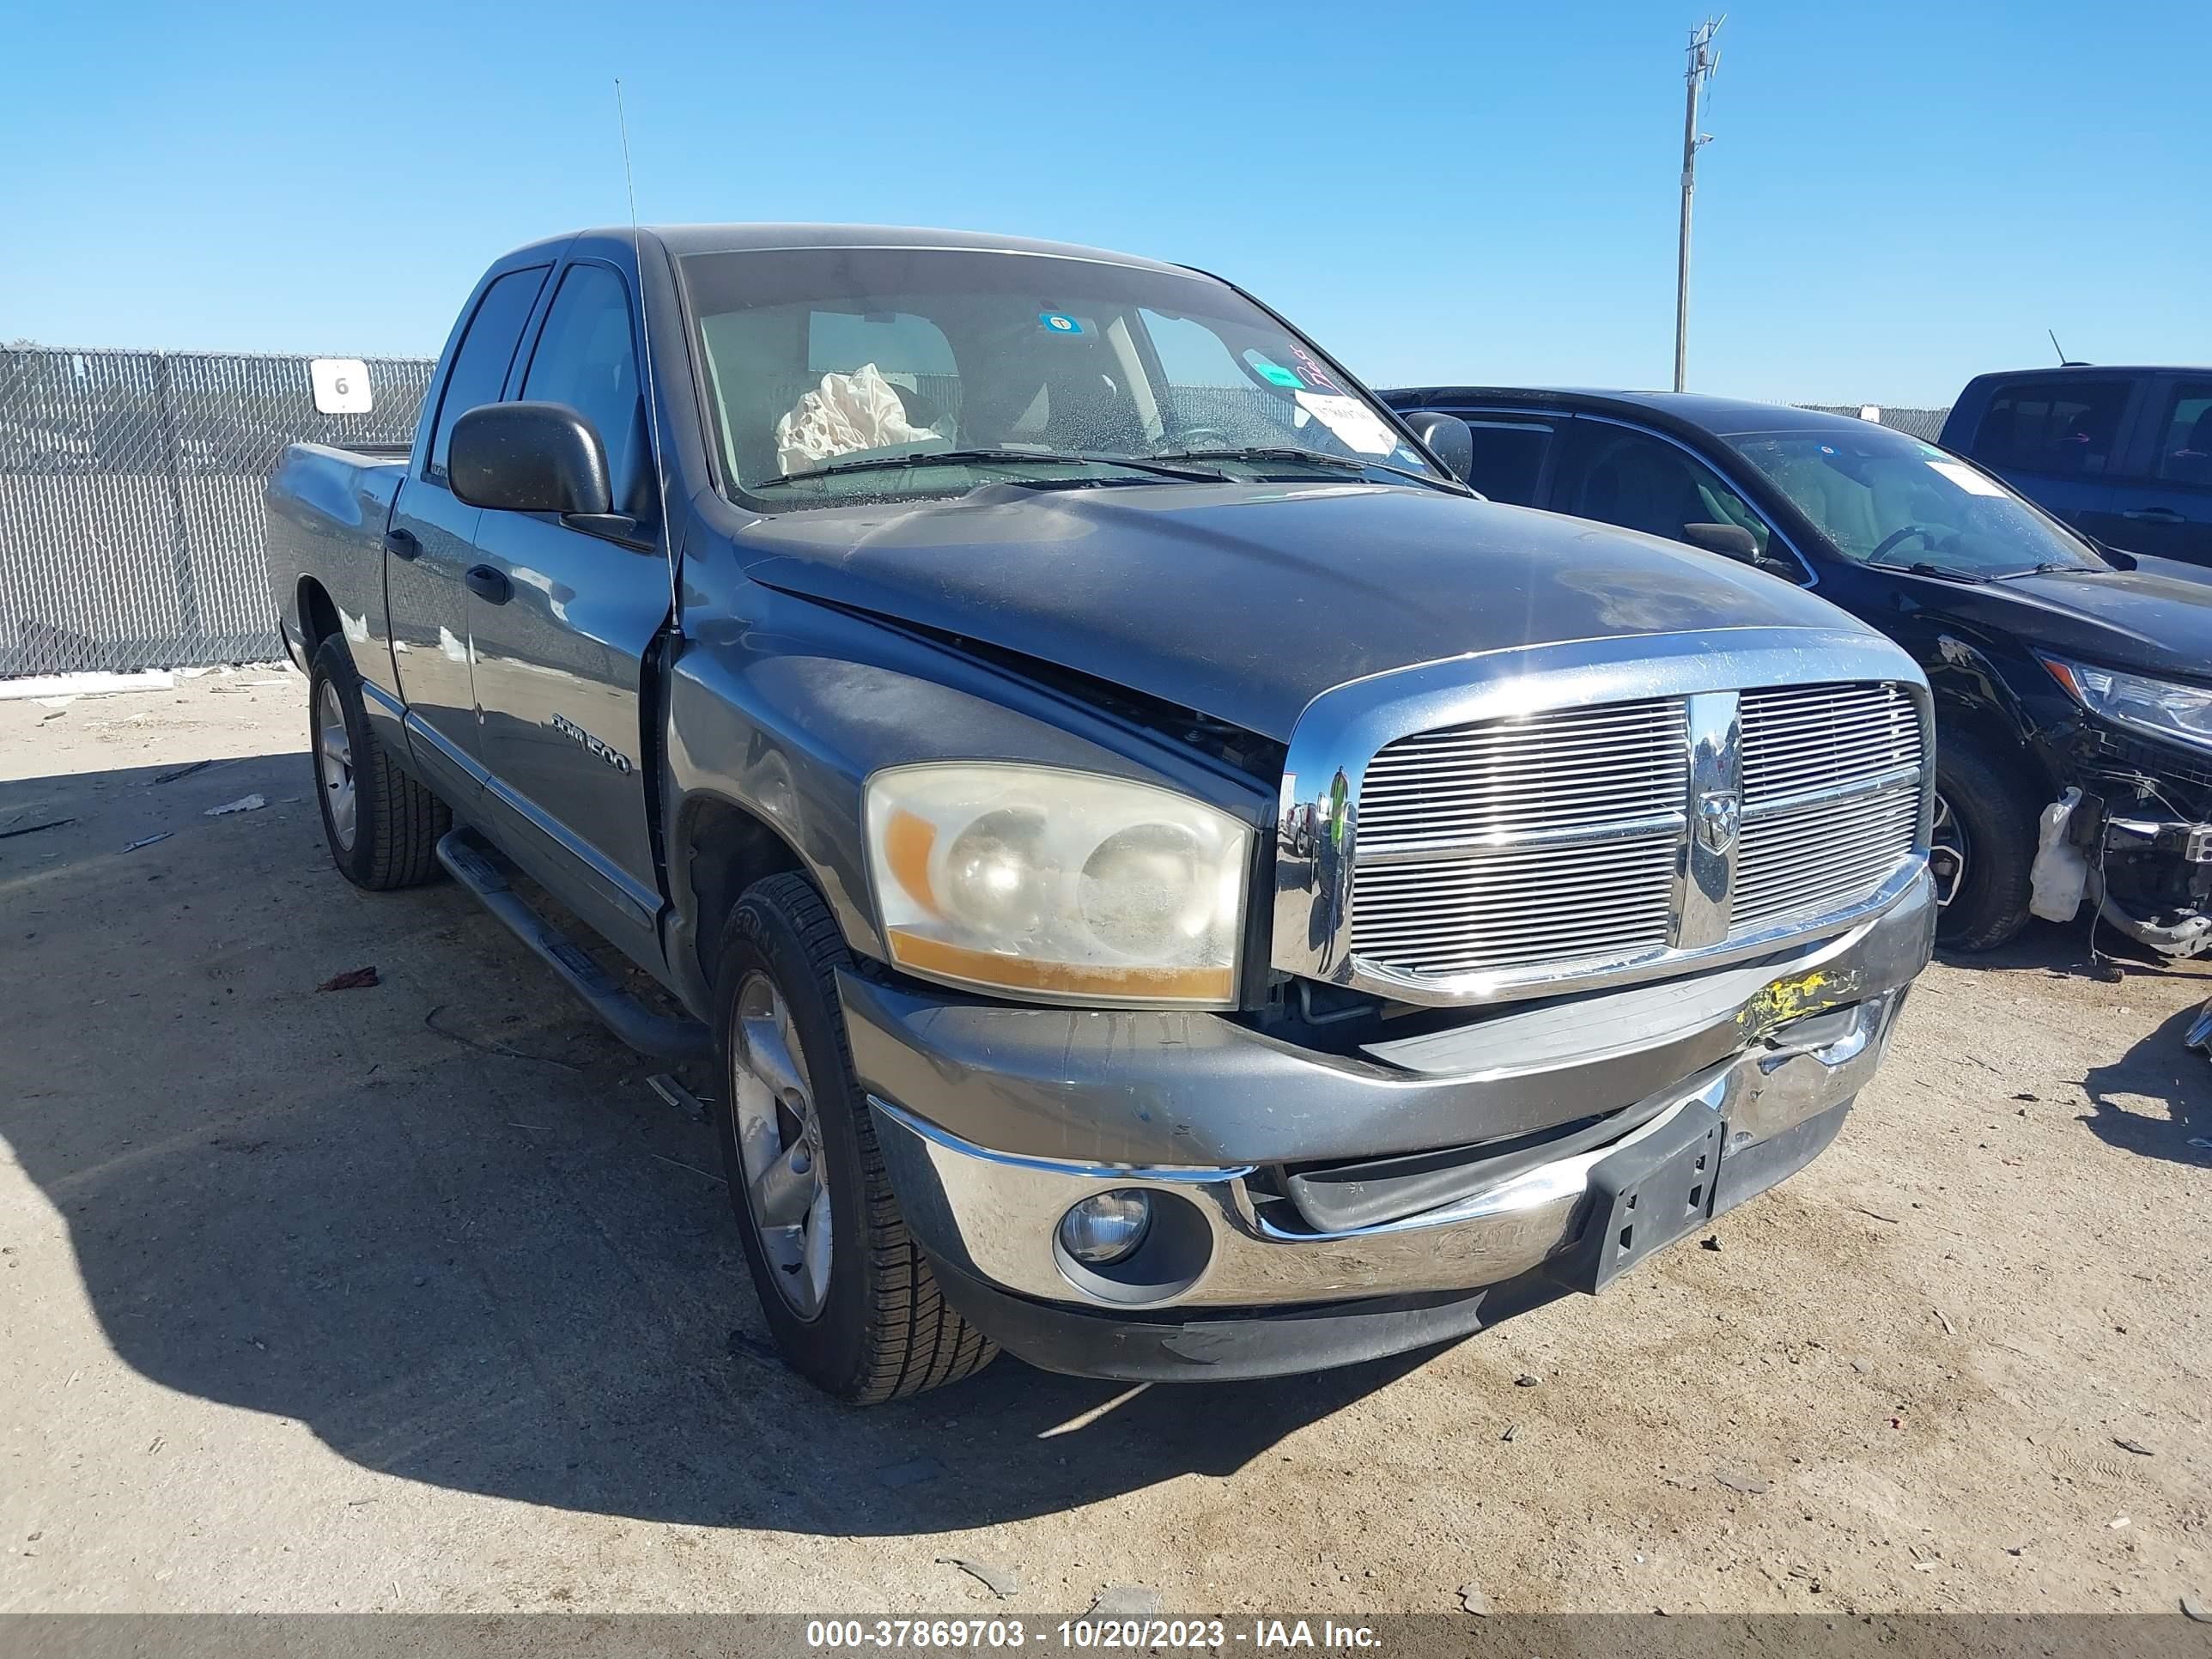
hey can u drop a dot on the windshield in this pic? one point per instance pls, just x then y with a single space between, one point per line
1884 498
840 374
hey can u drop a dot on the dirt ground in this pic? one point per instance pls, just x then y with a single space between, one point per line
415 1297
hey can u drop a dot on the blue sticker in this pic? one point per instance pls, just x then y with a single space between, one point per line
1059 322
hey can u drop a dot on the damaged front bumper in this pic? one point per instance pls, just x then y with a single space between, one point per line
1307 1252
2122 837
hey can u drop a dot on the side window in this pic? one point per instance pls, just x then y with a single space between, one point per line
2184 449
1509 457
485 354
1619 475
586 357
2066 426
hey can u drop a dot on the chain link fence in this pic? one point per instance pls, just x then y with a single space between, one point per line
130 514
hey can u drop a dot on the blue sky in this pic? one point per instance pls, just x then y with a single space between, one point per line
1899 195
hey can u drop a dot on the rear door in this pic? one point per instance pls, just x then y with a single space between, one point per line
2060 441
2166 504
561 627
1629 476
430 543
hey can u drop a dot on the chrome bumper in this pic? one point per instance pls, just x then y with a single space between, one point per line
994 1216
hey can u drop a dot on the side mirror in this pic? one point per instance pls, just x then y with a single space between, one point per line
1449 439
529 458
1732 540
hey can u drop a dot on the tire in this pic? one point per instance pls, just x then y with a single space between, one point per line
1997 815
878 1329
392 840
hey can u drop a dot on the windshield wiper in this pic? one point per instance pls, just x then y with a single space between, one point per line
1923 568
1291 452
988 457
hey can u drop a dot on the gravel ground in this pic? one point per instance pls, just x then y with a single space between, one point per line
415 1296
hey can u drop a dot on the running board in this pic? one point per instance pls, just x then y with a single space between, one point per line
663 1036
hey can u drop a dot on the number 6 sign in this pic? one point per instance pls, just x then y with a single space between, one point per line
341 385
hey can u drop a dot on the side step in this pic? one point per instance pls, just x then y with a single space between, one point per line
476 866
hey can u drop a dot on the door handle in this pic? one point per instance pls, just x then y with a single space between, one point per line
2153 515
489 585
401 544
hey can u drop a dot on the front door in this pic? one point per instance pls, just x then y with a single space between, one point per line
562 620
430 544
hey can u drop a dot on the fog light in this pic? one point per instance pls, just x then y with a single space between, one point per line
1106 1227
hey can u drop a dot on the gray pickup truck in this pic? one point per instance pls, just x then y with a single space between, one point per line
1167 879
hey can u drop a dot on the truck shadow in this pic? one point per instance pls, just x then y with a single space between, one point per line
439 1219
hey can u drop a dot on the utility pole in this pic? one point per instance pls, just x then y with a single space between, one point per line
1703 60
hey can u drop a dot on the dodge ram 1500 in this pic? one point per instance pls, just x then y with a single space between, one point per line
1170 881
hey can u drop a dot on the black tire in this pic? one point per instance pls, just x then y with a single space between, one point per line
1997 811
396 821
882 1329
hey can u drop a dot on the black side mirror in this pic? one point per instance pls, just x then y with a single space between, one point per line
1732 540
1449 439
529 458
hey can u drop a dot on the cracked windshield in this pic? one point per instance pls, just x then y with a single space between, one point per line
844 374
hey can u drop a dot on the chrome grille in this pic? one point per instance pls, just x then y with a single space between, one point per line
1831 790
1505 842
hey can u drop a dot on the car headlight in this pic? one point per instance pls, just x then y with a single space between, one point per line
1061 885
2166 709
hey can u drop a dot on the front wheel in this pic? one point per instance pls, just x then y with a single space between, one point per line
1983 848
848 1295
382 825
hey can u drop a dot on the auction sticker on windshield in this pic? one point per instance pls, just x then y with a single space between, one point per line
1967 479
1358 426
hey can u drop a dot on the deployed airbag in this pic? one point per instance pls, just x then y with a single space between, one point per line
843 416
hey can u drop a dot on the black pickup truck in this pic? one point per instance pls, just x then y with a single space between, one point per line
1169 882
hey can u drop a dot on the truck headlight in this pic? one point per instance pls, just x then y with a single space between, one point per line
1062 886
2166 709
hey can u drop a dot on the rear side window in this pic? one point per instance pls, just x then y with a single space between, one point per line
485 354
586 358
1509 457
2184 450
2066 426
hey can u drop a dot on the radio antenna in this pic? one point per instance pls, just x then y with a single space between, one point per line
650 389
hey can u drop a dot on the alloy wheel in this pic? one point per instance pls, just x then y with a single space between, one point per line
779 1135
334 764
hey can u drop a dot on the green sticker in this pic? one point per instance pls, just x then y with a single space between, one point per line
1275 373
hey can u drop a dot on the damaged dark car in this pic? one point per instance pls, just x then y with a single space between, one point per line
2073 682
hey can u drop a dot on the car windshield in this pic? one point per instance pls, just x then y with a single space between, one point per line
1887 498
844 374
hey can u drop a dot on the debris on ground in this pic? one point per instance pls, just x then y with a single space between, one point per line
912 1472
354 979
2134 1446
1125 1601
149 841
2118 1522
1001 1582
1736 1480
34 828
673 1093
1710 1241
2197 1608
1861 1367
1527 1380
1876 1214
184 771
243 804
1944 1321
1511 1429
742 1345
1474 1601
87 684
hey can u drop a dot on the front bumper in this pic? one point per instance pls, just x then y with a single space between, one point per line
1778 1059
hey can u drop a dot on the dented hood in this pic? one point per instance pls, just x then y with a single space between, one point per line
1245 602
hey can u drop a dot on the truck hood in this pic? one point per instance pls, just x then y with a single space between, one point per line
2156 618
1245 602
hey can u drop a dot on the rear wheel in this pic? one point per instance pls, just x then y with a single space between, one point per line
847 1293
1983 847
382 826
